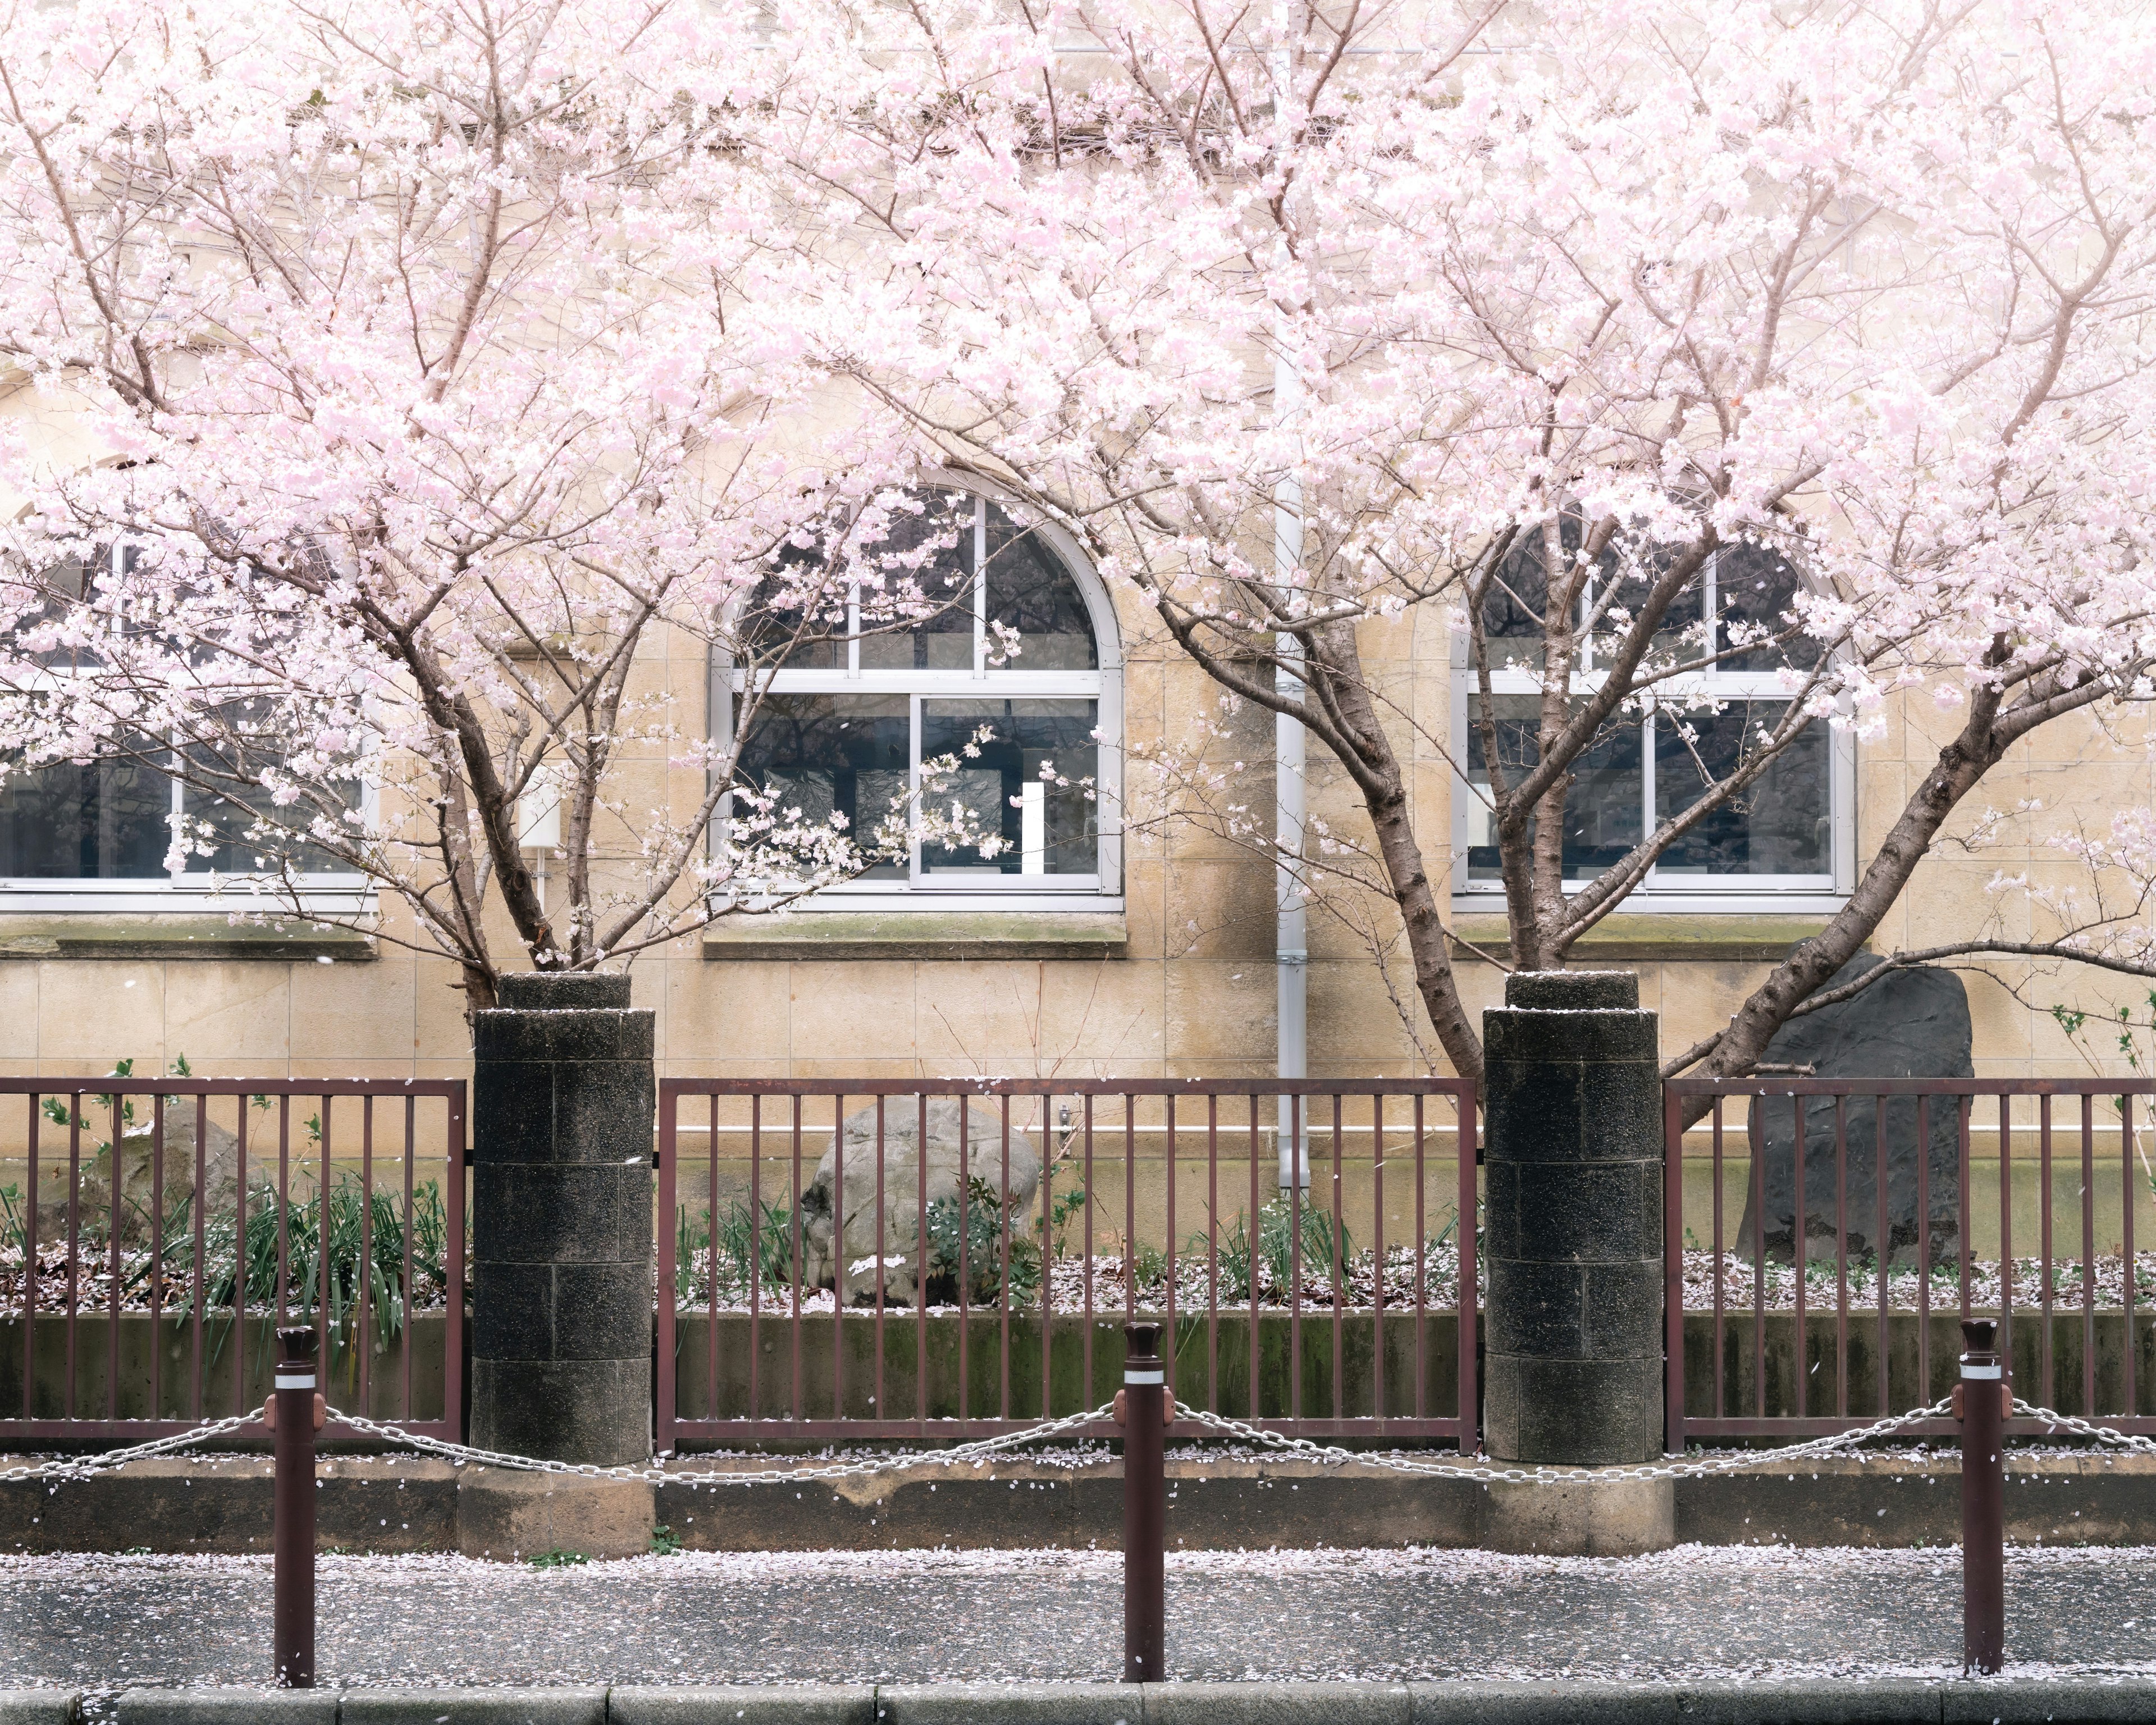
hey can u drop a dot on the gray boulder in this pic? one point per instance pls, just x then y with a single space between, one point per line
138 1184
1913 1023
898 1274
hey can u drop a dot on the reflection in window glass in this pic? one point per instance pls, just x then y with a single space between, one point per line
927 560
1604 812
102 820
1754 587
1779 825
844 754
1031 590
1047 829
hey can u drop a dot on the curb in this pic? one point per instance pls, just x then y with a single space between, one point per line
1822 1701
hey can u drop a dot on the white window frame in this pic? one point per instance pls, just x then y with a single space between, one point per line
1816 895
1100 891
180 890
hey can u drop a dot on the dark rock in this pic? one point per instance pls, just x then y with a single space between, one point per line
1913 1023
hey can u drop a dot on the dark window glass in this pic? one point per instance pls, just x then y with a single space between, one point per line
844 754
917 607
1048 828
1604 812
1031 590
102 820
795 620
1754 587
1779 825
1517 596
234 824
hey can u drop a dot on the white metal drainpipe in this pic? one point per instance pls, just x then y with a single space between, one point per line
1290 938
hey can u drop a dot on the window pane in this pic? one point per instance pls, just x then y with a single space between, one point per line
106 820
1780 825
1754 587
926 560
795 619
1048 829
1514 602
1604 812
1031 590
847 754
226 803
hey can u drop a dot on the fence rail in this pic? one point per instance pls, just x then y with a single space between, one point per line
810 1286
155 1232
1868 1228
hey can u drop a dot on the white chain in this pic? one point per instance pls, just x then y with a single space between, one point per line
1739 1463
979 1450
2082 1428
66 1467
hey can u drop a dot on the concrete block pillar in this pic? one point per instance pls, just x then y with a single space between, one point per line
562 1103
1573 1222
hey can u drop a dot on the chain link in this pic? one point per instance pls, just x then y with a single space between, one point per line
69 1467
2082 1428
1674 1469
977 1451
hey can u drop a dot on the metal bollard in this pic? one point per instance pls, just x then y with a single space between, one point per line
1983 1499
292 1562
1143 1412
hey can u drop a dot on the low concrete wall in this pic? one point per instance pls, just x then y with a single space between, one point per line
1774 1701
378 1504
173 1339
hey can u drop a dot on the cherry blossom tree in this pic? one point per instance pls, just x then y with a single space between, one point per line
1308 319
425 431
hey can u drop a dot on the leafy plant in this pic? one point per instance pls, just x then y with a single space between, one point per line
1061 1213
771 1242
555 1557
664 1544
981 1229
1272 1251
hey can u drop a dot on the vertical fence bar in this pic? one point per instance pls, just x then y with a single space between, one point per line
796 1405
2044 1271
1965 1113
1721 1405
711 1255
117 1186
1755 1139
2006 1229
239 1260
366 1246
75 1245
2088 1257
1378 1257
454 1413
1673 1359
283 1202
322 1234
1213 1253
965 1179
1339 1383
1047 1261
1923 1254
665 1413
1421 1274
1297 1164
30 1278
1882 1233
921 1271
1804 1257
1466 1138
755 1257
411 1155
1130 1204
1169 1256
1085 1338
1841 1254
2126 1159
157 1254
1251 1262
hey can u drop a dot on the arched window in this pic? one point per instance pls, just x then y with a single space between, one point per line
1788 835
1004 641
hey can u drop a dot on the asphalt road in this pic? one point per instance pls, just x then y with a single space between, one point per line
915 1616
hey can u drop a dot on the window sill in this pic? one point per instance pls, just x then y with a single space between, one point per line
1666 936
108 935
930 935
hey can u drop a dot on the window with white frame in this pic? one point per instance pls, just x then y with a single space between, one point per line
1786 838
98 834
1008 647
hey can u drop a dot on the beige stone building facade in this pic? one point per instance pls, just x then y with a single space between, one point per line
1161 962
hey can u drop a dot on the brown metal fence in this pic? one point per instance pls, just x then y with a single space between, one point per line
811 1288
1847 1224
154 1233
